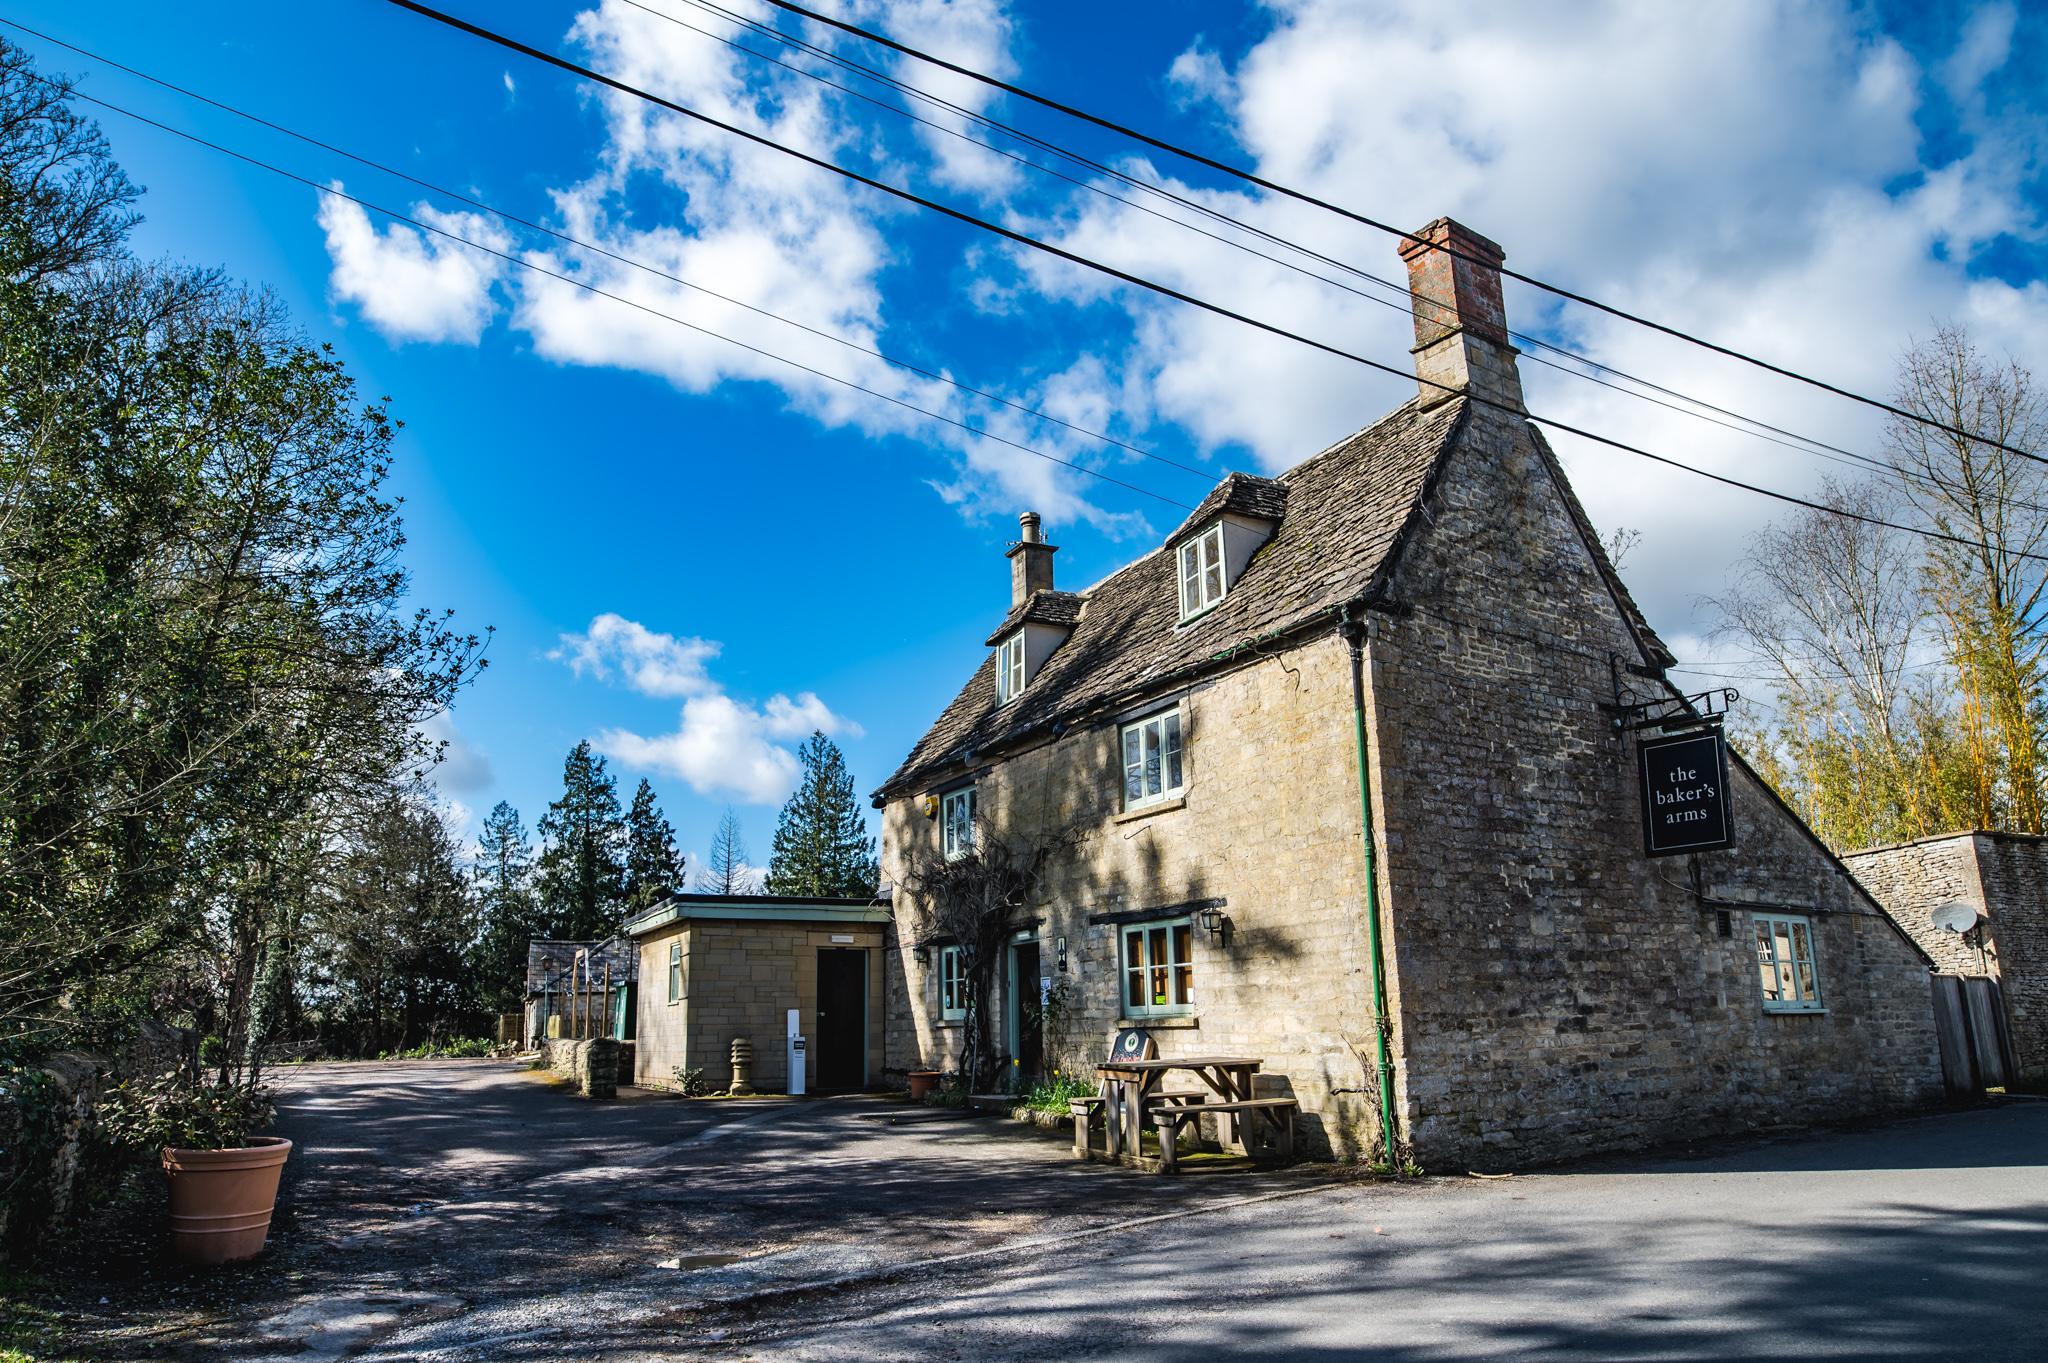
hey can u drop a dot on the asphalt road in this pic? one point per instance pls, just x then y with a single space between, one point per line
1920 1239
468 1210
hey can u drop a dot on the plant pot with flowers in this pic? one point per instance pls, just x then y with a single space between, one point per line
223 1179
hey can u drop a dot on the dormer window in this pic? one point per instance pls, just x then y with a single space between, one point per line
1201 572
1010 668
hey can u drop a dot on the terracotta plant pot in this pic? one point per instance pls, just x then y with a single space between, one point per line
221 1200
922 1084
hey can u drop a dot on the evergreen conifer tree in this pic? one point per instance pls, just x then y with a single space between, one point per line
725 870
822 846
582 880
503 878
653 866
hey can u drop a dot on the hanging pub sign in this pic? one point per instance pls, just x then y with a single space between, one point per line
1685 793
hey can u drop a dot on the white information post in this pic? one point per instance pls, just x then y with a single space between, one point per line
796 1053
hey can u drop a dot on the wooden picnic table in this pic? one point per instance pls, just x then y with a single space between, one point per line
1128 1085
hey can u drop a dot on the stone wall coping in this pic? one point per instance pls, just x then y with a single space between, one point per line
2003 835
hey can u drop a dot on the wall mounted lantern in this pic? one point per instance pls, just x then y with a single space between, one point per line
1216 925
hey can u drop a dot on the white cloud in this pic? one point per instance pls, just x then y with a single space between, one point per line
511 86
721 746
1750 173
464 768
660 665
413 285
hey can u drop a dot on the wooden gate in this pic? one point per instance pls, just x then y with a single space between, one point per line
1969 1021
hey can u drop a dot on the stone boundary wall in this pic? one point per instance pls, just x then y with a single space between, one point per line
1917 877
591 1065
2014 868
38 1165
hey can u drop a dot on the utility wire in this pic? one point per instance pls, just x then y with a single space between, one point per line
1405 295
1164 290
593 248
586 287
1250 177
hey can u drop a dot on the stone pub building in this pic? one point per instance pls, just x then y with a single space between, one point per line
1351 733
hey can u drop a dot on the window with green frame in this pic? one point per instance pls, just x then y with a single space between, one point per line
1158 968
1786 969
952 985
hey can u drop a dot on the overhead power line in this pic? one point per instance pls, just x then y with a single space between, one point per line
1164 290
590 288
1251 177
595 249
1403 297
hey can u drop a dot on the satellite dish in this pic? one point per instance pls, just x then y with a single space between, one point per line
1954 916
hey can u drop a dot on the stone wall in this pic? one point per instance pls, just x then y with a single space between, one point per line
45 1112
1555 992
1558 992
740 979
592 1065
2005 877
1911 879
1269 825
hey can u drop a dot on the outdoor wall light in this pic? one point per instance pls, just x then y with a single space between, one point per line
1216 925
921 954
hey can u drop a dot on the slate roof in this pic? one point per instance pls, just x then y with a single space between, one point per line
1042 608
1344 511
1244 493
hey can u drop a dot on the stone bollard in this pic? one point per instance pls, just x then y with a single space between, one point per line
742 1066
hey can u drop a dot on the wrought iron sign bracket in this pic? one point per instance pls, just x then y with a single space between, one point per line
1671 713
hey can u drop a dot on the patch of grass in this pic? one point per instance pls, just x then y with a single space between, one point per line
28 1332
464 1048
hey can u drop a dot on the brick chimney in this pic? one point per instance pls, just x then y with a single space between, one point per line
1030 561
1461 325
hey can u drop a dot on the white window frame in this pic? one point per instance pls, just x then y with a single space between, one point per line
1010 668
956 822
1172 760
675 972
1166 986
952 980
1203 579
1776 938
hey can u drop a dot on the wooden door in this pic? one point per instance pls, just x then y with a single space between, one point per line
840 1047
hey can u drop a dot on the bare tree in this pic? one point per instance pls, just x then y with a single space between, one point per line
725 869
967 900
1830 608
1987 590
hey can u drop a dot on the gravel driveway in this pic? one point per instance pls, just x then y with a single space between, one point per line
473 1210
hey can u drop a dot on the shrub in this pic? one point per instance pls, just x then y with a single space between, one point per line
1054 1095
691 1083
147 1116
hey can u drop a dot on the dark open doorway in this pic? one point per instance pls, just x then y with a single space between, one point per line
1027 1016
841 1043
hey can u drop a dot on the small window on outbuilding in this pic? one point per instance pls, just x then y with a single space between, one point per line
1201 572
1786 969
952 985
956 822
1010 668
675 972
1153 770
1158 967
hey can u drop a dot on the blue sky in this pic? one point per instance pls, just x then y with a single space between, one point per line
692 555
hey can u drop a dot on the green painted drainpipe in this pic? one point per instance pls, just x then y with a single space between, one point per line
1354 634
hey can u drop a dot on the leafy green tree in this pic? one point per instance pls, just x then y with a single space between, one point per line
822 844
653 866
391 963
509 914
582 881
725 870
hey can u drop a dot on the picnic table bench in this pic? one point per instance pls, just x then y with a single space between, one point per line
1130 1091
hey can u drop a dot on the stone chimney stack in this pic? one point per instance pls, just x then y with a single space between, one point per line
1461 325
1030 561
